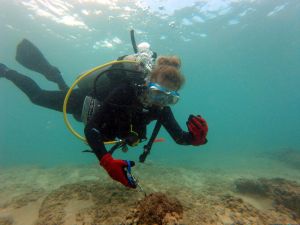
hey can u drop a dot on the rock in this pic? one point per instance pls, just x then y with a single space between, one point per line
289 156
282 192
6 221
91 203
254 187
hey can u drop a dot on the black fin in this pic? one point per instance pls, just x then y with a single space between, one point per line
29 56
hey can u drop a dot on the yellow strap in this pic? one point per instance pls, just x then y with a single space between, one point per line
68 124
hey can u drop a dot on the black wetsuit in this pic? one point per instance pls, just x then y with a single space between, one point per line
121 110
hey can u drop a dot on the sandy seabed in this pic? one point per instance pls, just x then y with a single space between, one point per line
84 195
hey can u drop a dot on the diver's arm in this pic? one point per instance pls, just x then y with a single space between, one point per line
94 136
169 122
195 136
120 96
114 167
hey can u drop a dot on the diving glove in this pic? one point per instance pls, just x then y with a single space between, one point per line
118 170
198 129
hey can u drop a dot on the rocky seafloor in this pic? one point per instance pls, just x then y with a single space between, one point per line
84 195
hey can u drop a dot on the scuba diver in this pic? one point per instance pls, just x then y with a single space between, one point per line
118 104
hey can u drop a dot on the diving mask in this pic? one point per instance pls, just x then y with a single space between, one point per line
162 96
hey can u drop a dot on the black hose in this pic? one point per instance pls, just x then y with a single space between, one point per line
148 146
133 41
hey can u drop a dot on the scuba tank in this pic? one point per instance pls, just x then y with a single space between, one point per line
98 84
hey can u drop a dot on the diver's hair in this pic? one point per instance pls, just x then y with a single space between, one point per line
167 67
169 60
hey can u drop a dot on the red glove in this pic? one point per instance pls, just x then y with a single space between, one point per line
198 128
116 169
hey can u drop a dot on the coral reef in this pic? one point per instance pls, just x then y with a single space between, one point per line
156 208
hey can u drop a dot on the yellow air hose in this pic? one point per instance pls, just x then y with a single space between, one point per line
68 124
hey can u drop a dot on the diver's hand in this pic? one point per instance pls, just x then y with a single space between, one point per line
198 129
116 169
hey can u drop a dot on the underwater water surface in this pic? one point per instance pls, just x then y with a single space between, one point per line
240 59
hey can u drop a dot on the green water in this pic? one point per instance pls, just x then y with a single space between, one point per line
240 59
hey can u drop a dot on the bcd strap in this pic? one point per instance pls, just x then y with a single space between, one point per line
148 146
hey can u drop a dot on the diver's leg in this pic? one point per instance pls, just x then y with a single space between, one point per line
3 69
49 99
29 56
